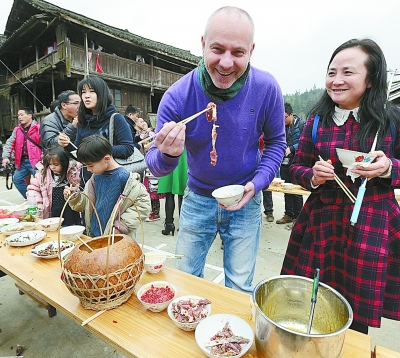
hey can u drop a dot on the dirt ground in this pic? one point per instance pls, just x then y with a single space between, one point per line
25 322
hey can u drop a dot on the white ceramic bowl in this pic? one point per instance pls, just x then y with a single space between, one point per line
277 181
287 186
71 232
187 326
153 263
156 306
349 158
229 195
209 326
50 224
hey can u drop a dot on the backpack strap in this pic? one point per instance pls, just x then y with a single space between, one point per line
393 131
315 128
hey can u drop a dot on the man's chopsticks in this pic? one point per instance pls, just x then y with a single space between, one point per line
185 121
70 142
344 187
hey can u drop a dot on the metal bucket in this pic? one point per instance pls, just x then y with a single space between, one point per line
282 311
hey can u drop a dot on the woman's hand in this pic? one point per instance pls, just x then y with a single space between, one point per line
378 167
322 171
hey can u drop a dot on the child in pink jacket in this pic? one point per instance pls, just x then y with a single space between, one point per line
55 171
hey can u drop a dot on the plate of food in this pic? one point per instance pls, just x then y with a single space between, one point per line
49 250
18 227
26 238
222 335
8 221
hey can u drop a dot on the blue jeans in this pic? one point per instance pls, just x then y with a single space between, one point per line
20 175
200 221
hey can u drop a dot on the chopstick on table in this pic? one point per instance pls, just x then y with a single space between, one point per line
185 121
16 207
343 186
92 317
160 254
70 141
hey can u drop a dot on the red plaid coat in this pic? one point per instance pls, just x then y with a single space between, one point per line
362 262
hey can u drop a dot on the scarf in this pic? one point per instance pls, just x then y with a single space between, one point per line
219 94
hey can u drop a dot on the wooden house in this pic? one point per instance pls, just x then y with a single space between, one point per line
46 49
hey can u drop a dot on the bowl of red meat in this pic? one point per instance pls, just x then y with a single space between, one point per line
156 295
188 311
223 335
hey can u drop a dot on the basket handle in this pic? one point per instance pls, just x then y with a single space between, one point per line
61 215
113 216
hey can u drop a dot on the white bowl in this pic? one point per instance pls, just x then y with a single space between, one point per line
287 186
154 263
185 323
229 195
71 232
50 224
277 181
209 326
350 158
156 306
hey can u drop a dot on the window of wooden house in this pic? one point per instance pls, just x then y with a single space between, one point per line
117 96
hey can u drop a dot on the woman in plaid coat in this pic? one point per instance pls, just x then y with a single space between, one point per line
361 261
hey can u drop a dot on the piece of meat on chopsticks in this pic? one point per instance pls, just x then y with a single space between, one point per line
212 112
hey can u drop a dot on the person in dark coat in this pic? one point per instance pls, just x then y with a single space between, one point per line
62 120
361 260
131 116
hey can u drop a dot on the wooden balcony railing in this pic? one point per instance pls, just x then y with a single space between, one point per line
114 67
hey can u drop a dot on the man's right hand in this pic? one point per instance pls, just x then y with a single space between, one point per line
63 140
5 162
171 139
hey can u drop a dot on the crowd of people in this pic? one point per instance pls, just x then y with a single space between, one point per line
361 260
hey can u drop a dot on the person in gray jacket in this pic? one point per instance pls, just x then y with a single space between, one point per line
63 119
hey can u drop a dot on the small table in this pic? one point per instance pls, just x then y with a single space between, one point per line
297 189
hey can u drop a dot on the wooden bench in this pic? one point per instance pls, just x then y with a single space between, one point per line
51 310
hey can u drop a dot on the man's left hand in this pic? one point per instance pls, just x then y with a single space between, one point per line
249 192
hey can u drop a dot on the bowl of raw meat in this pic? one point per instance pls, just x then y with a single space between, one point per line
188 311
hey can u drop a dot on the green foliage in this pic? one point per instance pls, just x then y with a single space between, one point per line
303 102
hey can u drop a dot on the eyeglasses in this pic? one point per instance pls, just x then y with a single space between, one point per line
74 103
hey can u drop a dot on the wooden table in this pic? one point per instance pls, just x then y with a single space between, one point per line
382 352
130 328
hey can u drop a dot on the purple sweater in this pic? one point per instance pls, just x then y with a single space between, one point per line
256 110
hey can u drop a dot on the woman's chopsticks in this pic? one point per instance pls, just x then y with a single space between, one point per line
185 121
344 187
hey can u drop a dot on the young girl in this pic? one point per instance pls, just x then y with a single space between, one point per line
55 171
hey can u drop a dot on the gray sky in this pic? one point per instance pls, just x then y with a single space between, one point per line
294 38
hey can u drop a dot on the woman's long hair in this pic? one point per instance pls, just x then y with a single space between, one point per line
373 113
59 153
104 98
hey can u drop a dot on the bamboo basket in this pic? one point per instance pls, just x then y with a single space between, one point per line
115 285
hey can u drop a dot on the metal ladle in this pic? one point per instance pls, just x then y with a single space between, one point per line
313 299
